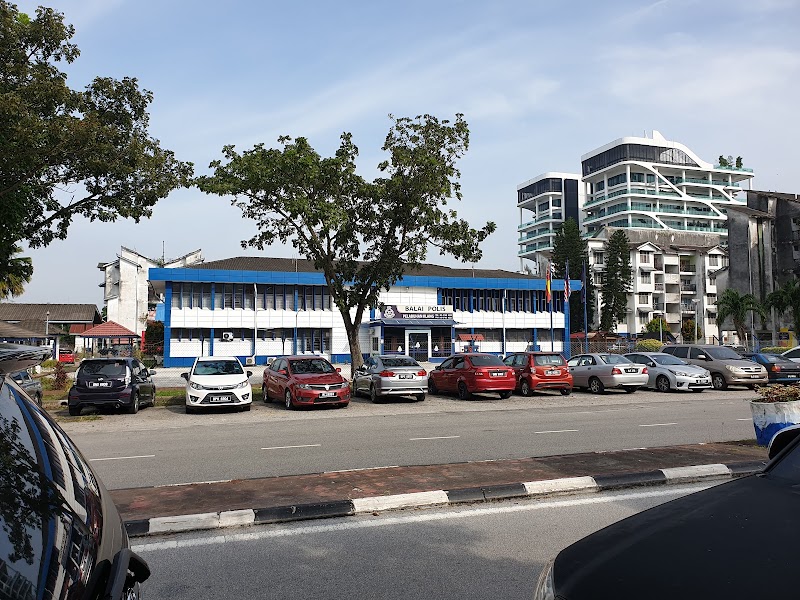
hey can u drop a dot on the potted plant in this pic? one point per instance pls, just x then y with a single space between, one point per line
777 406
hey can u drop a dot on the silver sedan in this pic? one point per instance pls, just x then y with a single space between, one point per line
600 371
668 372
390 375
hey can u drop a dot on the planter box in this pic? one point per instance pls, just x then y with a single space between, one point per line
770 417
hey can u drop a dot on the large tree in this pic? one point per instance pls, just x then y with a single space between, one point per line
787 298
731 304
568 245
617 282
66 152
362 236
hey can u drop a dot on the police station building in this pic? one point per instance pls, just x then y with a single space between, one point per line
259 308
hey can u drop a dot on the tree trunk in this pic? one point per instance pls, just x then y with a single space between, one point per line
356 359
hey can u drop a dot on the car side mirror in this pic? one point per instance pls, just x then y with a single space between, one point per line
702 357
651 364
338 369
150 373
782 439
284 371
249 373
185 376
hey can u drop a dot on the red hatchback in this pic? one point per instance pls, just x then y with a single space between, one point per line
467 374
540 371
304 381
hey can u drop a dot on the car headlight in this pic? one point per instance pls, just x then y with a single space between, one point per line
196 386
242 385
733 369
706 373
681 374
304 386
544 587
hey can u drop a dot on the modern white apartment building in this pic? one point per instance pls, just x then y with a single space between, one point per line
544 203
674 277
656 184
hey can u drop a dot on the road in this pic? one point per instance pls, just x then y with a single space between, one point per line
493 551
163 446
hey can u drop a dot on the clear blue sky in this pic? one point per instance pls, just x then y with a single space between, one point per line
540 83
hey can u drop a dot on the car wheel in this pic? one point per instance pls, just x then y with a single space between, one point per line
596 386
525 388
631 388
505 394
718 381
287 399
662 383
463 392
373 395
432 386
134 407
420 397
566 391
74 411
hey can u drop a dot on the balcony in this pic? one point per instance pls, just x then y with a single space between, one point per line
688 268
672 298
658 307
672 278
687 307
687 288
673 318
659 287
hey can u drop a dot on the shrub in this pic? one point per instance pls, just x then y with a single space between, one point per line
49 363
648 346
778 393
774 349
60 379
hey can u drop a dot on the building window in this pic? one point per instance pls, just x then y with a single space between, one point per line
644 319
645 277
617 179
228 295
207 296
713 260
644 257
598 258
637 177
197 295
644 298
600 186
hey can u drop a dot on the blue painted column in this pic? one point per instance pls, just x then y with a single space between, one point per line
296 309
567 351
167 323
471 310
213 308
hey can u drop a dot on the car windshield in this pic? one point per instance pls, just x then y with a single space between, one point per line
775 358
486 360
218 367
308 366
399 361
545 360
721 353
105 368
614 359
667 359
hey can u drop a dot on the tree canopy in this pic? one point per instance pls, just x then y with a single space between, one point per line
568 245
731 304
787 298
362 236
617 282
66 152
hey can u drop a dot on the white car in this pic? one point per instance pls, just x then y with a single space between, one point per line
793 354
217 381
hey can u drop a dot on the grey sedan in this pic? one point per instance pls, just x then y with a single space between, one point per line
31 385
668 372
390 375
600 371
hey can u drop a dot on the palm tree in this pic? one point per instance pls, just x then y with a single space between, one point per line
787 298
736 306
14 272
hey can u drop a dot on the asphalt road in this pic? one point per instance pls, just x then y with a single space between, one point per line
494 551
163 446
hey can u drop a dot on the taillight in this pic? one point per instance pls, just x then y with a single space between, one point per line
422 373
616 371
387 373
644 371
776 368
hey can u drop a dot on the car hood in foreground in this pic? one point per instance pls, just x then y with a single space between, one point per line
735 540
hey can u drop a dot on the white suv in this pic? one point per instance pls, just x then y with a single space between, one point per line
217 381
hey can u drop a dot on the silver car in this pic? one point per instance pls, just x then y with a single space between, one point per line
31 385
668 372
600 371
390 375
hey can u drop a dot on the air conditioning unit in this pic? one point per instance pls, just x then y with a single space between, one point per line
227 336
249 360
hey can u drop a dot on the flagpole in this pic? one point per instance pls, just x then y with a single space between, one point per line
567 346
585 294
552 336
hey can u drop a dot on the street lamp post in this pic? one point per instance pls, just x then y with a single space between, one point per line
696 302
47 330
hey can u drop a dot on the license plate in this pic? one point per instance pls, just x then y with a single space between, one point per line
218 399
755 376
551 372
791 375
405 376
631 370
497 373
100 384
327 394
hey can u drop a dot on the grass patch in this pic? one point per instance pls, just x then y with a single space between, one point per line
172 399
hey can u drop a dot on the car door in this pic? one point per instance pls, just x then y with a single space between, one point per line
652 369
272 379
454 373
516 362
438 374
146 388
577 366
694 357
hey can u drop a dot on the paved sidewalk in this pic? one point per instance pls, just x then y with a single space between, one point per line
240 502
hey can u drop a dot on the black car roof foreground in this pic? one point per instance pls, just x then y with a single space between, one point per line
14 357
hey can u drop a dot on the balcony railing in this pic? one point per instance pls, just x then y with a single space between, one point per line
659 287
688 268
688 287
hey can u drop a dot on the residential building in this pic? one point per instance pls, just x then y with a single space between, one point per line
656 184
50 321
673 276
544 203
256 308
129 299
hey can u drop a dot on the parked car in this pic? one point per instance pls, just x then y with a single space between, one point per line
699 546
31 385
726 366
390 375
112 383
600 371
792 354
61 535
305 381
66 356
536 371
471 373
667 372
779 368
217 381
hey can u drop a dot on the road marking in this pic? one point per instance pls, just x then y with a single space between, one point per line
441 437
363 469
558 431
658 425
748 419
122 457
285 447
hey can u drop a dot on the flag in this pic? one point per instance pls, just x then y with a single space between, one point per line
548 295
567 291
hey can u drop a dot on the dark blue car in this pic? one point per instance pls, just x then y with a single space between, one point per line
779 368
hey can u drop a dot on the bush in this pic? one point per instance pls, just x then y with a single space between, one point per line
49 363
648 346
778 393
774 349
60 379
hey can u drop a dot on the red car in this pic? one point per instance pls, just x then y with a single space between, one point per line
304 381
470 373
539 371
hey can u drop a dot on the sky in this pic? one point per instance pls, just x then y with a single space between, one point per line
540 84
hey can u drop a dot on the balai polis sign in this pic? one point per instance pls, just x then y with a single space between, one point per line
432 311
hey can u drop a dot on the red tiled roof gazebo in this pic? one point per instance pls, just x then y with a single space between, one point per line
111 331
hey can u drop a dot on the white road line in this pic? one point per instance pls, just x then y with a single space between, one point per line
748 419
122 457
558 431
285 447
441 437
658 425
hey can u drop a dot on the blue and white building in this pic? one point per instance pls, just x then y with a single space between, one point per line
259 308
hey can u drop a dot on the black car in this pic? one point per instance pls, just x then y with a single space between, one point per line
112 383
730 541
60 534
779 368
